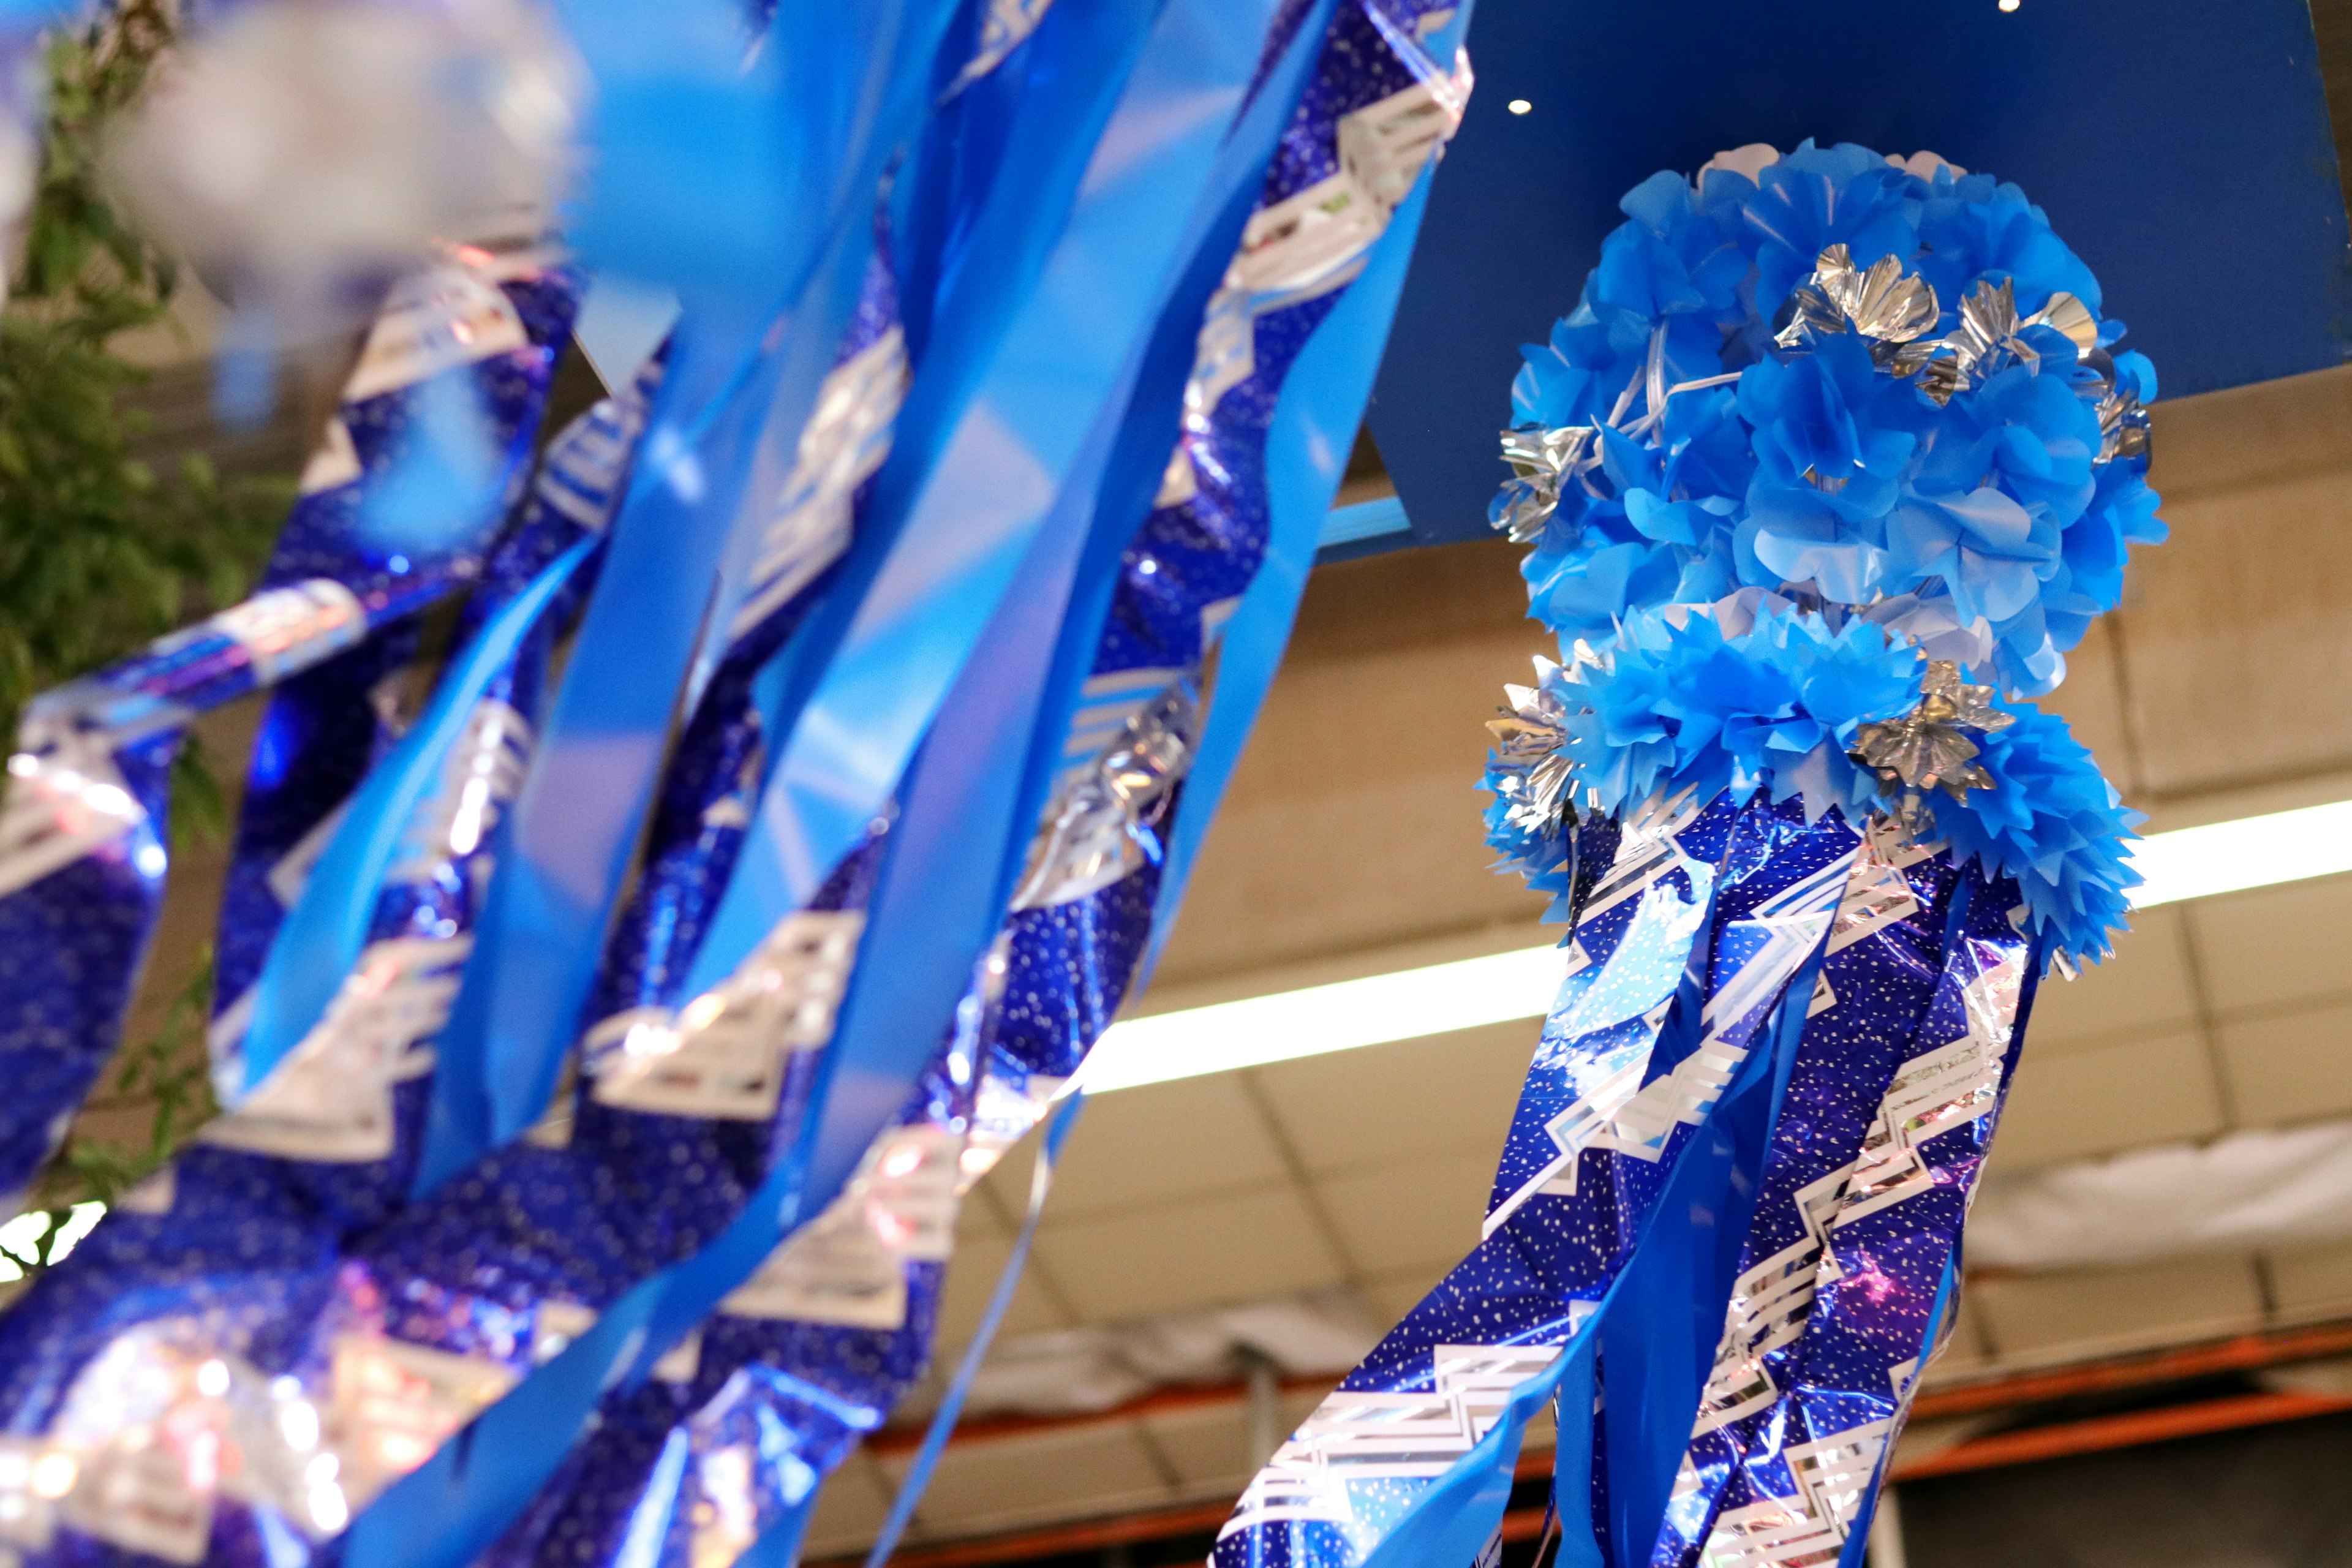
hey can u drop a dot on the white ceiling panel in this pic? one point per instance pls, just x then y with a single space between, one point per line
1161 1143
1368 1107
1234 1248
2068 1315
2235 625
2143 989
1206 1445
973 1274
2095 1100
2312 1282
2291 1067
2275 945
1006 1482
2092 702
850 1508
1411 1213
1394 1295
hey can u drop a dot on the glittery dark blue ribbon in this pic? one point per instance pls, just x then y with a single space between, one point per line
77 934
1699 920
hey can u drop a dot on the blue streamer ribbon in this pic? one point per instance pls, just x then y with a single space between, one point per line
1008 456
727 425
1000 1301
322 935
445 1513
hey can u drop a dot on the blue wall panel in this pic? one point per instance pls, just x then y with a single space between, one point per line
2180 146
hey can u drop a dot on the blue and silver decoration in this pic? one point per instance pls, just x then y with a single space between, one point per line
1832 462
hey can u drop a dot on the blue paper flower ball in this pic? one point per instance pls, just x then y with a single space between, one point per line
1842 379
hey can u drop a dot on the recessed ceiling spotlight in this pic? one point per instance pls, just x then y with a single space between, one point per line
1521 106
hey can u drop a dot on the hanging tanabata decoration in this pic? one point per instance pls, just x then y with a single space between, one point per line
600 1093
1834 462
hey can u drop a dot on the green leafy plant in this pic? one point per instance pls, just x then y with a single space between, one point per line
98 553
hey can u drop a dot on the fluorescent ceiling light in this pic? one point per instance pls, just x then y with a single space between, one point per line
1341 1016
2190 863
2250 852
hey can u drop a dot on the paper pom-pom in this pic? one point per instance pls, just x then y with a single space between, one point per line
1845 380
2053 821
1753 694
1738 696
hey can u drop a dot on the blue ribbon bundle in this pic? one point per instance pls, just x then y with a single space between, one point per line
575 1065
1831 439
670 1466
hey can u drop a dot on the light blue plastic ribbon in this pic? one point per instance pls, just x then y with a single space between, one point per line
1452 1522
1000 1301
726 425
325 931
1661 1345
1005 461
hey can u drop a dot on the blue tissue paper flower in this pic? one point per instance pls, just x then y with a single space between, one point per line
1993 465
1765 490
1816 197
1680 703
2053 823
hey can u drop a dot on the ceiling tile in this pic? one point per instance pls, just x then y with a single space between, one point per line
1234 1248
2313 1281
1162 1143
997 1201
2093 1313
2275 945
849 1509
1410 1212
1439 1093
2091 701
1208 1446
994 1206
1381 748
2141 990
1298 1404
2235 628
972 1277
2095 1100
1003 1483
2290 1068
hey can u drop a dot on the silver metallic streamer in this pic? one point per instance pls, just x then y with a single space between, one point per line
1097 830
1890 308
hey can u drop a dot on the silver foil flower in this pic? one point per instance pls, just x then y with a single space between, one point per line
1928 748
1529 768
1890 308
1541 462
2123 423
1991 336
